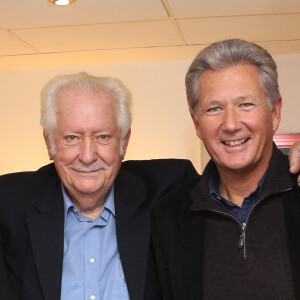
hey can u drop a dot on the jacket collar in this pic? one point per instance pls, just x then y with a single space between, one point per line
278 179
46 230
133 233
203 202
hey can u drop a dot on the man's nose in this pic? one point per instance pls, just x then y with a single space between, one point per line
231 121
88 153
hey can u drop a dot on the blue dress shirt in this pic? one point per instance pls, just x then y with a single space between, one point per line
241 213
92 268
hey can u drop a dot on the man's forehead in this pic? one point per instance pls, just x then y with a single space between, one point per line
245 66
239 82
70 92
85 104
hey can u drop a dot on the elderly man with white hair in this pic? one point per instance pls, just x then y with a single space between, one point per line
79 228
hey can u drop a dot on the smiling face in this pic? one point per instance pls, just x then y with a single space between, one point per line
234 120
87 141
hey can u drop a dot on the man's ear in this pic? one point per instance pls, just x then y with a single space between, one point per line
196 124
48 144
126 141
276 114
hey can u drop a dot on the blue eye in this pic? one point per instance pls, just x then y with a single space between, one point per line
104 138
247 106
214 109
71 137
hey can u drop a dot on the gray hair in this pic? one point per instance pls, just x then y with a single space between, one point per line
227 53
83 81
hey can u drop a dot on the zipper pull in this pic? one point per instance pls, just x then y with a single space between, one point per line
241 242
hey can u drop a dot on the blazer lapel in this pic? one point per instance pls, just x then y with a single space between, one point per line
133 232
46 232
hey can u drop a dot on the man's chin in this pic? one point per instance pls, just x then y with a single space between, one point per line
88 187
88 190
235 164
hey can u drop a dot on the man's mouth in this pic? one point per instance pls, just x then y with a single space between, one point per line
91 168
235 143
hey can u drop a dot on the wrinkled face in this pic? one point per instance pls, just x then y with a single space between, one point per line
234 120
87 141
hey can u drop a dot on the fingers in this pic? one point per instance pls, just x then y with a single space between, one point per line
295 159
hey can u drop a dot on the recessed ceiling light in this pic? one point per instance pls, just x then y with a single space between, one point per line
62 2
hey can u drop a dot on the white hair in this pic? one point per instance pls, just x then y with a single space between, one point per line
84 81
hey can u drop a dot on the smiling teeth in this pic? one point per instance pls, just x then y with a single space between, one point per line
235 143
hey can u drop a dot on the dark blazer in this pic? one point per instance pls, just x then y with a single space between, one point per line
32 228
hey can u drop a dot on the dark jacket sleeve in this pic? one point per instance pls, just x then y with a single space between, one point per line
9 186
160 243
167 218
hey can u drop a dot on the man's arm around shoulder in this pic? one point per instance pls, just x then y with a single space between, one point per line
295 160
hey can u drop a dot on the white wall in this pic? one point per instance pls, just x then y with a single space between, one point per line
161 123
162 127
289 83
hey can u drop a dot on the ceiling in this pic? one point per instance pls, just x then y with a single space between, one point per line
35 34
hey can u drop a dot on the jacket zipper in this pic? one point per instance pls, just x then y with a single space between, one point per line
242 239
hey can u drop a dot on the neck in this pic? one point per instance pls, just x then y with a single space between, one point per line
89 205
235 186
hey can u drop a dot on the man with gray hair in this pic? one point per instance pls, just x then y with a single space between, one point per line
233 233
80 228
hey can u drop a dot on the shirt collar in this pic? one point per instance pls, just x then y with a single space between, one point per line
214 189
108 205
